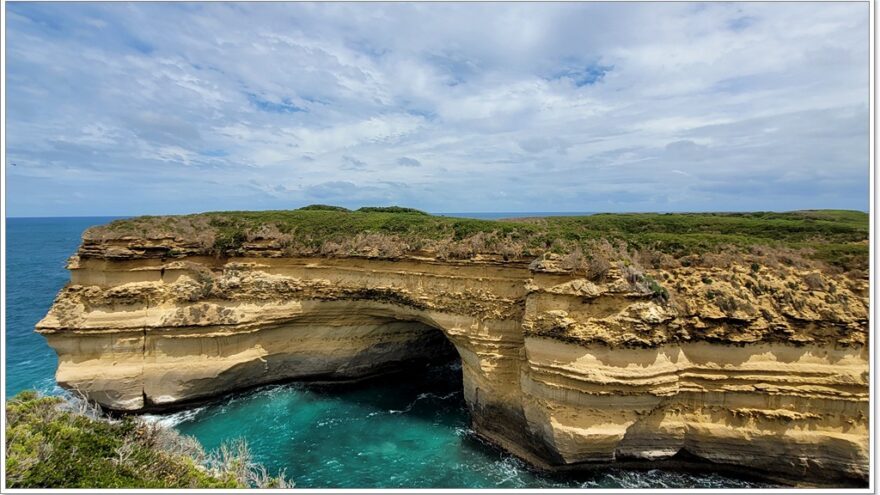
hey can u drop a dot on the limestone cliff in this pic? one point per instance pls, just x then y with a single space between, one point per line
738 365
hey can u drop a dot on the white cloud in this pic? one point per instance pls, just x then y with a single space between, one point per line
592 106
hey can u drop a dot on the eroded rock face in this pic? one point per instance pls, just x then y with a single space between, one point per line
733 366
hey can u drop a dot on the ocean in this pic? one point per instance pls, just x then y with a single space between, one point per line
401 431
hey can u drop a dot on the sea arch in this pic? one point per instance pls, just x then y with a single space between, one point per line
556 369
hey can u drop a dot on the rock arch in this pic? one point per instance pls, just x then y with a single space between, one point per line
559 370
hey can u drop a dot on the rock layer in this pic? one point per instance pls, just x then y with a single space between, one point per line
735 366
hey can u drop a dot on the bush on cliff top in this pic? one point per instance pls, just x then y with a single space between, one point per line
364 209
390 209
322 208
56 443
834 237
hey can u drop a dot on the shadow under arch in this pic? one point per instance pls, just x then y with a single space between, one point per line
326 343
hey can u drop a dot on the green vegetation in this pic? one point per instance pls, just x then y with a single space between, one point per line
55 443
657 290
322 208
836 237
390 209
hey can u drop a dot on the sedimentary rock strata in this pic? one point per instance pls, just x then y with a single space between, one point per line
742 366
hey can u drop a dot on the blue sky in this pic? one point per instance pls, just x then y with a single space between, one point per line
152 108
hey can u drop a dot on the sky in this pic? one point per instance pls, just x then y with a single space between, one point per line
163 108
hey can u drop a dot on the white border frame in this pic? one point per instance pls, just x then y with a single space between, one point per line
872 312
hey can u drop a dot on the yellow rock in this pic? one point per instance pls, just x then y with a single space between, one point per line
746 370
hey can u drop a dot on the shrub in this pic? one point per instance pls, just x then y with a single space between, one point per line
510 248
814 281
633 275
322 208
827 240
601 255
227 242
53 442
598 267
574 260
264 231
657 290
728 304
391 209
756 288
381 245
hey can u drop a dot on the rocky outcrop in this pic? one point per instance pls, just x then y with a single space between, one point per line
741 366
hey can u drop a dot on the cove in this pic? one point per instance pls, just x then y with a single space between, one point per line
404 430
558 366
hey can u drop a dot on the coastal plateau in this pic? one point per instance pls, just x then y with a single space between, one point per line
733 341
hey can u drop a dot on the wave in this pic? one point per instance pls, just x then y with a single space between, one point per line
426 395
656 478
173 419
464 431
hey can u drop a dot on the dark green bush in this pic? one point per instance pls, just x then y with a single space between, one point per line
657 290
56 443
390 209
322 208
229 240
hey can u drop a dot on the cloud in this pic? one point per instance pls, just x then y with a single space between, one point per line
331 189
352 163
537 144
741 23
408 162
285 105
176 107
686 149
349 194
584 76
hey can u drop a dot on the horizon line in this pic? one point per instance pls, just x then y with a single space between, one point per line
533 212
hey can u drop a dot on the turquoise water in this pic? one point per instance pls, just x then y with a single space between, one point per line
407 430
36 252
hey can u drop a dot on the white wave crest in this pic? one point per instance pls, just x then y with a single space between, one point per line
173 419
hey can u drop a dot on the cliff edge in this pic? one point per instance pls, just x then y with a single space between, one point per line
734 339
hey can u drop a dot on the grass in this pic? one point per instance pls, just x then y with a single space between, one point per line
52 442
836 237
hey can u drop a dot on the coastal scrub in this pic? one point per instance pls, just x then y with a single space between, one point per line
829 239
52 442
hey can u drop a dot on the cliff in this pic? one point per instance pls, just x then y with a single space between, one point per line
640 339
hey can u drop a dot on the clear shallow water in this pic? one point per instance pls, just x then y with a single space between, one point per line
402 431
408 430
